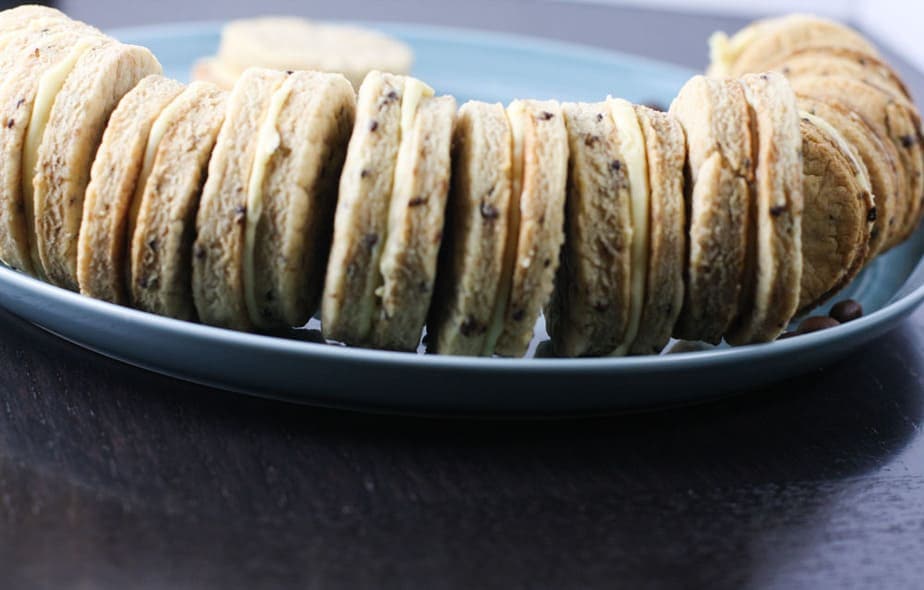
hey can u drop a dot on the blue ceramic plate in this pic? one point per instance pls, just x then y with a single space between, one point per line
488 67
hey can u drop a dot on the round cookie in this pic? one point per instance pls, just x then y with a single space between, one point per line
588 314
161 246
291 197
27 58
836 223
841 61
476 231
291 43
415 226
756 47
772 295
361 218
715 116
894 119
881 161
217 270
540 174
116 170
101 76
665 145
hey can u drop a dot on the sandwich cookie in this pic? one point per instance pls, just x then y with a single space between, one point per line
472 254
715 116
771 296
758 46
291 197
176 159
588 314
881 161
665 147
35 65
218 252
92 86
116 180
838 203
893 118
841 61
535 225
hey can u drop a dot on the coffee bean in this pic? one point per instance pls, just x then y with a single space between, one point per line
846 311
816 323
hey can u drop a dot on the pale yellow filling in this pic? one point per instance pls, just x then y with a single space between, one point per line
724 51
49 86
516 112
632 147
268 141
844 146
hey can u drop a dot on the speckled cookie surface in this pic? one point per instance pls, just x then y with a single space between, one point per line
476 231
589 310
665 145
836 223
161 248
893 118
541 223
293 230
217 277
881 161
715 118
100 78
841 61
415 229
103 242
26 57
759 45
776 213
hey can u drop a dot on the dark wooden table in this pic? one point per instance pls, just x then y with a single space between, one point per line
112 477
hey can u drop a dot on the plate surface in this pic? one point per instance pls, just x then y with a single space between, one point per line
488 67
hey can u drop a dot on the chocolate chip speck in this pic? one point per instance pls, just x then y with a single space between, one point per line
365 173
392 95
591 140
546 262
471 327
907 141
417 202
239 212
599 117
871 216
518 315
373 126
152 244
777 210
199 252
20 102
615 165
10 124
371 240
545 116
290 72
489 211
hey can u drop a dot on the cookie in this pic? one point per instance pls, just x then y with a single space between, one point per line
100 76
881 161
472 253
160 247
588 314
665 146
115 177
291 196
893 118
415 225
838 205
291 43
772 294
35 66
715 117
756 47
841 61
536 224
361 219
218 261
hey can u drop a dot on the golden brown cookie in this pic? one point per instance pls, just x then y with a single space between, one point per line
161 245
291 197
772 294
476 231
99 78
715 116
838 203
218 267
116 171
841 61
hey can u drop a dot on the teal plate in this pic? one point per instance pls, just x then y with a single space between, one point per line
489 67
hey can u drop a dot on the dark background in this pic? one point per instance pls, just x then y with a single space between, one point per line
111 477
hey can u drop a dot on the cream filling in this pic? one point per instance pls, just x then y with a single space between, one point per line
516 112
724 51
632 147
842 144
49 86
268 141
414 93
